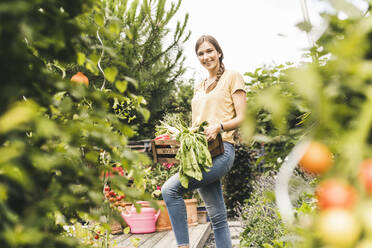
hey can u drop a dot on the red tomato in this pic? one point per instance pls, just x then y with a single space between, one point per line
112 199
107 188
119 170
317 158
333 193
107 195
96 237
365 175
112 193
80 78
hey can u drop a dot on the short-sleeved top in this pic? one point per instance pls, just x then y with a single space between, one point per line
217 106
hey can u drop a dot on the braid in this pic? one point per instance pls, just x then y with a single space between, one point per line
221 70
213 85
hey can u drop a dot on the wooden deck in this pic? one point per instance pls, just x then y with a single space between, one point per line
198 236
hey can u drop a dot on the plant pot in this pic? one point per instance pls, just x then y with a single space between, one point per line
203 211
164 224
116 227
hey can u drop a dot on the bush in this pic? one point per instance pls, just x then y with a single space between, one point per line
260 216
263 226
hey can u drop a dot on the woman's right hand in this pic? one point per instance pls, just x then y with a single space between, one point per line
212 132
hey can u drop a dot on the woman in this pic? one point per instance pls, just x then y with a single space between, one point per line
220 100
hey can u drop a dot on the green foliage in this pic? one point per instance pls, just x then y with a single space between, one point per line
156 175
335 94
333 91
56 137
134 41
272 118
261 219
263 226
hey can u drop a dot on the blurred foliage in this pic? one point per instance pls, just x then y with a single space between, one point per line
57 138
331 97
260 217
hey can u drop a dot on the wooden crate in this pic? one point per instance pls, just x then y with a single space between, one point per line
141 145
164 151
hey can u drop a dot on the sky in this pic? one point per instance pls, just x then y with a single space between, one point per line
251 33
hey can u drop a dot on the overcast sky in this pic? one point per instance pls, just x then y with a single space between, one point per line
251 32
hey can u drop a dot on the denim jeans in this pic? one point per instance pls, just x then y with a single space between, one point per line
210 190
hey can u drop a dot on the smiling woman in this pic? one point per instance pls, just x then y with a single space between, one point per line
219 100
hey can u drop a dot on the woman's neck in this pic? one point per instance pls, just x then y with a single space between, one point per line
213 73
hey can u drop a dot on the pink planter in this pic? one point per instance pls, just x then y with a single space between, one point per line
143 222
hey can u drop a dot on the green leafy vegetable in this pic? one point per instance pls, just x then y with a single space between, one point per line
193 153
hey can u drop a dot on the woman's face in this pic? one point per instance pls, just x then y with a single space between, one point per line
208 56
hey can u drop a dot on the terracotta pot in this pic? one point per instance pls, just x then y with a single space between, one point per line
164 224
116 227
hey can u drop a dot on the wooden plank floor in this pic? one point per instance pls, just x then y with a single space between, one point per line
198 236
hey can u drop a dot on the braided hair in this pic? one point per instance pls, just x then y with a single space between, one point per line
221 69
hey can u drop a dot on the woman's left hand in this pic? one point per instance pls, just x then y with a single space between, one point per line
212 131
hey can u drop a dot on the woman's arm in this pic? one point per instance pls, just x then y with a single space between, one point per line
239 99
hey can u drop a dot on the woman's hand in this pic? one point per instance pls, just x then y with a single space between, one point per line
212 131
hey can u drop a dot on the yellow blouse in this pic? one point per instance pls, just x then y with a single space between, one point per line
217 106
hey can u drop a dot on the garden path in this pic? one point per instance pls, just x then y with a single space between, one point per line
235 227
198 236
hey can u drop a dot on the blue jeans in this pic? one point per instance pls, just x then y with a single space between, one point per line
210 190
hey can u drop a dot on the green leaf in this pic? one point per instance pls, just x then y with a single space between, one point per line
21 113
94 57
304 26
81 58
114 27
132 81
3 193
99 19
59 96
14 172
110 73
126 230
128 33
92 156
145 113
121 85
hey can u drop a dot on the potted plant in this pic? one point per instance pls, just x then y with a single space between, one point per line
157 175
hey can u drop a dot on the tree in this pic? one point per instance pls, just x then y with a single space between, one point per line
145 48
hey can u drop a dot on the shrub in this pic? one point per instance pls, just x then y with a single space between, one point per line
263 226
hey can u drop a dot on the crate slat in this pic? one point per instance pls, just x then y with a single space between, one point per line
167 142
164 151
168 160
